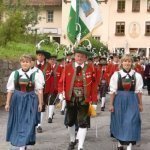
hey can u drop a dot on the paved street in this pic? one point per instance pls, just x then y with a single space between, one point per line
55 135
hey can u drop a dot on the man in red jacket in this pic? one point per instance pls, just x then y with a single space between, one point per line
77 84
41 63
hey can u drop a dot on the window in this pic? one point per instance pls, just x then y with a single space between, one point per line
147 28
148 5
50 16
120 50
120 28
135 5
56 39
121 6
98 38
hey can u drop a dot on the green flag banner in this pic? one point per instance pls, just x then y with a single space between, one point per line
87 14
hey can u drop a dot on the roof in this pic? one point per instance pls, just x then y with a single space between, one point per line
46 2
41 2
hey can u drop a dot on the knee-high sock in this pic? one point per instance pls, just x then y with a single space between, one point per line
22 148
119 144
129 147
41 119
81 136
51 110
63 105
72 133
103 102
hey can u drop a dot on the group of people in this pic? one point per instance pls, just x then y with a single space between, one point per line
76 82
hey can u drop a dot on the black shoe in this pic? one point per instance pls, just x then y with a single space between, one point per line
102 108
76 141
39 129
49 120
120 148
71 145
62 112
81 148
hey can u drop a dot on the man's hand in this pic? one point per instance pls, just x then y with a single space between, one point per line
61 96
94 106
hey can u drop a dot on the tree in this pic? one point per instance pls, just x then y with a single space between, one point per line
18 17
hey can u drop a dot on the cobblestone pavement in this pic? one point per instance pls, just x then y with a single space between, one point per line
55 135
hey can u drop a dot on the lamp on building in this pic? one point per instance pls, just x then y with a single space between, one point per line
126 47
64 36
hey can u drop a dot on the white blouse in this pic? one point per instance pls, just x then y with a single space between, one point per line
38 81
41 75
114 81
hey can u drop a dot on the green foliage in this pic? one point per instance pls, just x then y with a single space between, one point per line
14 50
18 18
96 45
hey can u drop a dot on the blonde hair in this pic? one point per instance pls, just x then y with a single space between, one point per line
25 57
126 57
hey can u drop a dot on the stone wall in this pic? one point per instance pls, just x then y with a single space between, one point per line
6 67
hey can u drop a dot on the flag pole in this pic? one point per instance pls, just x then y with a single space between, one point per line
78 27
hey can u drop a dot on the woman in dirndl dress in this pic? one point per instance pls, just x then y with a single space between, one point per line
24 101
126 104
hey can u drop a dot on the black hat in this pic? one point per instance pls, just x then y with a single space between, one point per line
115 55
53 56
82 50
45 53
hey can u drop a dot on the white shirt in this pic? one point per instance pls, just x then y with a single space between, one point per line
41 75
114 81
42 63
76 65
11 86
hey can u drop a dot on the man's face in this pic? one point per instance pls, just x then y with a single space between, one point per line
116 59
96 59
52 61
69 57
40 57
32 63
80 58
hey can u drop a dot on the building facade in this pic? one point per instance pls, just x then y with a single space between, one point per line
125 28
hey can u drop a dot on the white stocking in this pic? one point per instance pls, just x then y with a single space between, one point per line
51 111
129 147
81 136
72 133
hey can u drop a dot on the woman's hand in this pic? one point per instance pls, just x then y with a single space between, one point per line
140 107
40 107
111 108
7 107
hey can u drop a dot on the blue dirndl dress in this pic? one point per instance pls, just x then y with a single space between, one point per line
23 116
125 123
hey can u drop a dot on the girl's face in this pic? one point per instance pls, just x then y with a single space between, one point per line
126 64
80 58
25 64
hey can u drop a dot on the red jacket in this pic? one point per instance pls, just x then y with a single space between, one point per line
138 68
110 69
51 81
67 79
